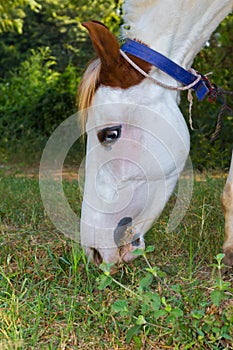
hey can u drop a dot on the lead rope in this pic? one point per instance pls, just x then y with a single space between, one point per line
224 110
190 99
217 94
170 87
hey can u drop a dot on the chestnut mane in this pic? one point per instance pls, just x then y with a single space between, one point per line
87 89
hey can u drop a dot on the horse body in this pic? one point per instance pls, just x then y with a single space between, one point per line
138 141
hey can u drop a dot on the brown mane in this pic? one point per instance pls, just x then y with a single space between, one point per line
86 90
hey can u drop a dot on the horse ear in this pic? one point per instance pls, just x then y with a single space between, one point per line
105 44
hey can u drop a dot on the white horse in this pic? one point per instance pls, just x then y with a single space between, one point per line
137 139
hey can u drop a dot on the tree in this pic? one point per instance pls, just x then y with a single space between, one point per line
12 14
215 57
54 26
57 24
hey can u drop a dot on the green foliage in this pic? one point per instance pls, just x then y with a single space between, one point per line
51 297
35 98
12 14
156 309
41 67
219 294
36 26
58 26
215 57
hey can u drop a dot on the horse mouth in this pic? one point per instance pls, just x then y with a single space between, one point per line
121 255
126 251
96 256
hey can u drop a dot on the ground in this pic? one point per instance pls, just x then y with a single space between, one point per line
176 296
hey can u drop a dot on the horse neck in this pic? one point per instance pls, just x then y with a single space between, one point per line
177 29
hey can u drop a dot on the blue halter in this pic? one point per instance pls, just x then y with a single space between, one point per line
166 65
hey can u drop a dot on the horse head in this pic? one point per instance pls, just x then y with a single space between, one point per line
137 146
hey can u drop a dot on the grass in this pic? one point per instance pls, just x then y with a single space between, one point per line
174 296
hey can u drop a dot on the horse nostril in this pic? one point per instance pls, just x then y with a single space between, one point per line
137 242
97 258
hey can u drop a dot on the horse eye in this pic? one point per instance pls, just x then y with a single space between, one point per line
109 135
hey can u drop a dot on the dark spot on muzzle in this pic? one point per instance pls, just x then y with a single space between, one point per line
136 241
120 234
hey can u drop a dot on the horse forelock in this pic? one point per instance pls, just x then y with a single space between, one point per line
87 89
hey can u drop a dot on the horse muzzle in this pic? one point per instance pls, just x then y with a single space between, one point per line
115 255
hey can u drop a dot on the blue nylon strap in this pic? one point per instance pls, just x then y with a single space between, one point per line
166 65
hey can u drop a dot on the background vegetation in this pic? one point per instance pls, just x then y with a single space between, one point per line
43 51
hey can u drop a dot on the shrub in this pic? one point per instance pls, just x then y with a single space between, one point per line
35 99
